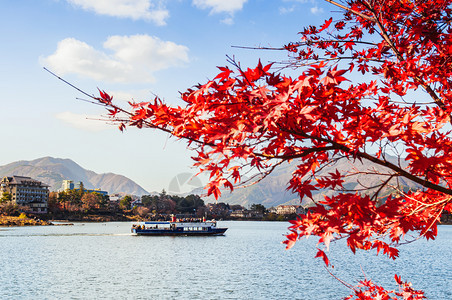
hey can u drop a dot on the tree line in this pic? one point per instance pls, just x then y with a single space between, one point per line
80 202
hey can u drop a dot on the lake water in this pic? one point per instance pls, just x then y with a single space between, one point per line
104 261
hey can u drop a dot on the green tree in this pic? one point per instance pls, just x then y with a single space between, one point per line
6 197
105 200
166 206
196 200
148 200
52 202
270 217
259 208
219 210
63 199
125 202
80 192
71 199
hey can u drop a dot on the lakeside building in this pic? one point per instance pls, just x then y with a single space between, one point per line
289 209
136 202
246 214
70 185
26 191
115 198
240 214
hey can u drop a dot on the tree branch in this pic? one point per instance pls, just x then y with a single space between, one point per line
369 18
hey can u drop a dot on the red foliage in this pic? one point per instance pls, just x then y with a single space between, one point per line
330 112
367 290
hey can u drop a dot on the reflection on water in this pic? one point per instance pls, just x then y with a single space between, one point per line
104 261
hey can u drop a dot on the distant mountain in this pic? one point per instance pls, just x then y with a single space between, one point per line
272 190
53 171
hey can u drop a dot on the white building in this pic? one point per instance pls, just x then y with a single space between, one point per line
289 209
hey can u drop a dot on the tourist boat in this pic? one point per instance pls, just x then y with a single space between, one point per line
177 227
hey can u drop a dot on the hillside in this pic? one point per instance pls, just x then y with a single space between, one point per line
53 171
272 190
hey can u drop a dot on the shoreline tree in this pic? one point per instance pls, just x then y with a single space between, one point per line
6 197
374 82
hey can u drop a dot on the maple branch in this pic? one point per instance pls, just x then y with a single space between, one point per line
377 161
309 42
424 205
298 155
399 56
70 84
375 196
369 173
263 175
90 101
348 285
316 61
403 173
369 18
233 62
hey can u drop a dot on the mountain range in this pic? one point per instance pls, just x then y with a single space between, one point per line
270 191
52 171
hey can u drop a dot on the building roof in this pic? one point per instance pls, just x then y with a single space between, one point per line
23 180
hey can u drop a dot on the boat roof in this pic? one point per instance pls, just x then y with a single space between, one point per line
156 222
191 224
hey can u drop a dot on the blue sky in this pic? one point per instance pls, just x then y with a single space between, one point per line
131 49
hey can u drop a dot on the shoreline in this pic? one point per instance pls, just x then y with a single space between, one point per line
11 221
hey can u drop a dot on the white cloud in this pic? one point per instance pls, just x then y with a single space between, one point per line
286 10
129 95
220 6
150 10
84 122
228 21
316 10
134 58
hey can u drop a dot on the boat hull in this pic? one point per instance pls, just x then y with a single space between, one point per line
177 232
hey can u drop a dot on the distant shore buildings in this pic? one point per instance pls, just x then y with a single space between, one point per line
289 209
225 211
26 191
70 185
